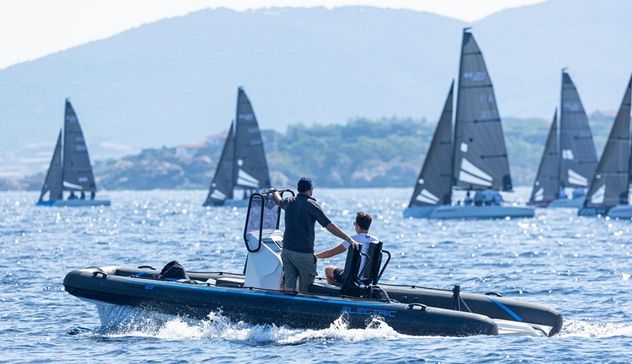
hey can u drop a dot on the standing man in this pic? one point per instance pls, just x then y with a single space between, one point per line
301 214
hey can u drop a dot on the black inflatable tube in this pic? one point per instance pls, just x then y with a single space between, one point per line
263 307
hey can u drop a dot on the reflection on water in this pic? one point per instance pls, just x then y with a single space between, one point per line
579 265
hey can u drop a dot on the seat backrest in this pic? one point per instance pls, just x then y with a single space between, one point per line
352 265
355 283
371 271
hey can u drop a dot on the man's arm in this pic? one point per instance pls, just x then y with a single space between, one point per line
276 196
332 228
331 252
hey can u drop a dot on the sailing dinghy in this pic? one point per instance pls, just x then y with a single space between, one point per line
70 169
242 168
473 157
569 159
608 194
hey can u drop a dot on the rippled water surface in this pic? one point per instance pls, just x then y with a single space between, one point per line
581 266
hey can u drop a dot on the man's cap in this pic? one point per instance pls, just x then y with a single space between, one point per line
304 184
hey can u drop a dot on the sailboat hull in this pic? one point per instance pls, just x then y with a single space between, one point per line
421 212
229 203
480 212
574 203
621 212
617 212
74 203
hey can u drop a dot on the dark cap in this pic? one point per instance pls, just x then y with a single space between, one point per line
304 184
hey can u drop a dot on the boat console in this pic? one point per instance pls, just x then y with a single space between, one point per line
264 241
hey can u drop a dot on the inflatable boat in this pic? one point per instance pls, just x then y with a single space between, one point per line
255 296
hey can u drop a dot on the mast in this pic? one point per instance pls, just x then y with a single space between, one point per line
434 183
480 155
609 187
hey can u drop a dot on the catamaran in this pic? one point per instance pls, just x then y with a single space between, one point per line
572 165
242 168
608 194
70 169
473 157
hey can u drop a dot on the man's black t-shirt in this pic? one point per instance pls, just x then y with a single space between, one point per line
301 214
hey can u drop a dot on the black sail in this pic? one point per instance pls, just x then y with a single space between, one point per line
434 184
251 167
480 155
546 186
77 171
609 187
52 182
222 185
577 149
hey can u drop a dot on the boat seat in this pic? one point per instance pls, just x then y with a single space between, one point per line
323 288
355 283
229 282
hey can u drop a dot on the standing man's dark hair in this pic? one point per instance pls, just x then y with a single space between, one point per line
304 184
301 214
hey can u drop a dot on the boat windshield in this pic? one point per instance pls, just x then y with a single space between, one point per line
263 214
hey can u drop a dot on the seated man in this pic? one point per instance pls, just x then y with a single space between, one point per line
563 195
363 237
468 199
578 192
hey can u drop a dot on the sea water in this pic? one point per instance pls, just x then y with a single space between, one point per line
579 265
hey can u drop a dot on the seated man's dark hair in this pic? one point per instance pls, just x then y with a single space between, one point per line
363 220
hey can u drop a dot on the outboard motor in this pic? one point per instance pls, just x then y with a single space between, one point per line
264 241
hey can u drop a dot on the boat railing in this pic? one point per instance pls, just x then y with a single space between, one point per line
262 214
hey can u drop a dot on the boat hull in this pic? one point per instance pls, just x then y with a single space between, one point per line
230 203
470 212
574 203
621 212
419 211
310 311
74 203
617 212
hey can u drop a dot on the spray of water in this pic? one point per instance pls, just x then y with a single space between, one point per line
595 330
120 321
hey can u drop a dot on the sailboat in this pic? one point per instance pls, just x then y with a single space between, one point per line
473 157
242 168
70 169
608 194
569 159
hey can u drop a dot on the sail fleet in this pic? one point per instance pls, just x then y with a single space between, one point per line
467 154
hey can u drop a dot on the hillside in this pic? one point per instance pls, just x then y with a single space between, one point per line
175 80
360 153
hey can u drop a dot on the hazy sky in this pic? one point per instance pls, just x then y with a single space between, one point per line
32 28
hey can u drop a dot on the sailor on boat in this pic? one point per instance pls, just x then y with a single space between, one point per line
362 224
301 214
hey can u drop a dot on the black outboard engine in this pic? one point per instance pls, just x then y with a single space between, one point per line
363 283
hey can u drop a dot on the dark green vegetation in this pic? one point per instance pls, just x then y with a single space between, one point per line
360 153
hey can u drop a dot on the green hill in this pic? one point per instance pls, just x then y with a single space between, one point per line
361 153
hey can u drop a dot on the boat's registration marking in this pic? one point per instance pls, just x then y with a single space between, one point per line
367 311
